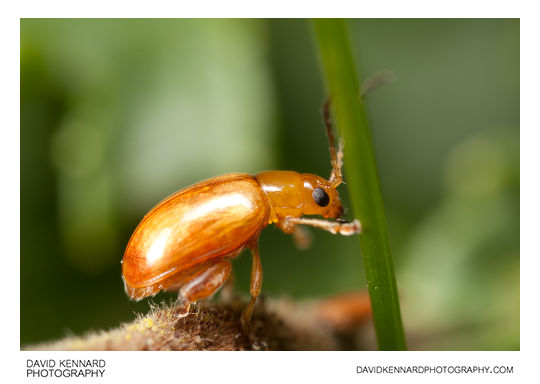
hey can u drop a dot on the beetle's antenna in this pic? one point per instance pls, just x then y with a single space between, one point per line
336 159
374 81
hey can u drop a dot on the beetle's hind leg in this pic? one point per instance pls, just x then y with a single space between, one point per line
226 293
200 283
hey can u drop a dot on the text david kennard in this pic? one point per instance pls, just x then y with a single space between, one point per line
65 368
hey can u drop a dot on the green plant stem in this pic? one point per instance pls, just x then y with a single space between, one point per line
362 180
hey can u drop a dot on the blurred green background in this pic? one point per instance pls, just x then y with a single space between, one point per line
118 114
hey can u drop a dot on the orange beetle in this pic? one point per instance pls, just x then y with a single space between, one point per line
186 242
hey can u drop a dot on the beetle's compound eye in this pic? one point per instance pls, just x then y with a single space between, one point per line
321 197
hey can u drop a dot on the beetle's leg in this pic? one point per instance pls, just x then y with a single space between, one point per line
227 291
181 307
255 288
334 227
286 225
203 283
302 237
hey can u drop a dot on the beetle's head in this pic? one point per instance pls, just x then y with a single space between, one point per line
320 197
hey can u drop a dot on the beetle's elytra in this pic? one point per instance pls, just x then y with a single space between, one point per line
186 242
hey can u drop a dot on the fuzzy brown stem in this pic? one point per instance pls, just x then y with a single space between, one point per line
278 325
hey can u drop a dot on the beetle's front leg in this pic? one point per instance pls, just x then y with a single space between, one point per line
301 236
334 227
